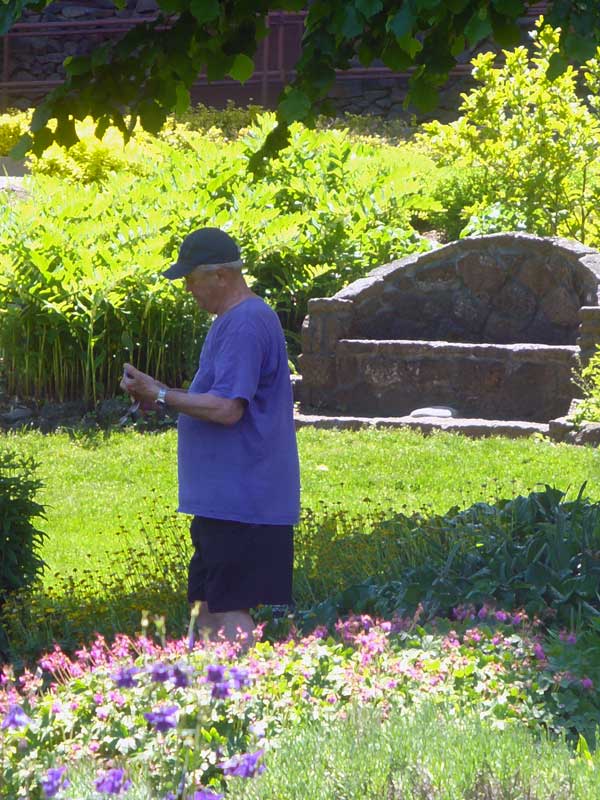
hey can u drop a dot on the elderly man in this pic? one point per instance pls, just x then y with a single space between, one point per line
237 454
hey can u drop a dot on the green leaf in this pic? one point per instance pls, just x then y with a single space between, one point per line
294 106
456 6
65 133
556 66
242 68
395 58
182 102
579 48
509 8
10 13
478 27
352 25
40 117
102 126
506 33
368 8
401 24
152 116
77 65
171 6
424 95
22 147
365 54
205 10
457 46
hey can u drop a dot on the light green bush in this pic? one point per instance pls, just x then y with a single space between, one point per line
523 154
13 125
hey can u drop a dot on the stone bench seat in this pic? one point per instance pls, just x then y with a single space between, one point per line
490 325
502 381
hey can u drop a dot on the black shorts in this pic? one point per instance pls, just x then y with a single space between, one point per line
237 565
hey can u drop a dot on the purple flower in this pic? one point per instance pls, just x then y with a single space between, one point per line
587 683
181 675
163 718
538 652
206 794
112 782
240 677
54 781
15 718
215 673
244 766
220 691
482 613
502 616
160 672
124 677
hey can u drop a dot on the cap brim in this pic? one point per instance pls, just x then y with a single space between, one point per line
177 270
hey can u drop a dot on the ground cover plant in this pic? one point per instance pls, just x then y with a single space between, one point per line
162 717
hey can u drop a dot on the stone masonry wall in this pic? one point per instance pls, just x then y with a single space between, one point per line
399 338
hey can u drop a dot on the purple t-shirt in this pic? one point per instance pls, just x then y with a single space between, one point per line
249 471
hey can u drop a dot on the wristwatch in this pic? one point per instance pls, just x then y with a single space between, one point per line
161 399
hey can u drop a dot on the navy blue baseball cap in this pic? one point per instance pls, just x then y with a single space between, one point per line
206 248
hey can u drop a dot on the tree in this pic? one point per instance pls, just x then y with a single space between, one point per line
148 74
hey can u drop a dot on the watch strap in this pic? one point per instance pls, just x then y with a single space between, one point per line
161 398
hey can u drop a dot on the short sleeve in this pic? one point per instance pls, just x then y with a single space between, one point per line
238 358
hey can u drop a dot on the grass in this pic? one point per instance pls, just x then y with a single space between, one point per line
96 487
427 755
430 755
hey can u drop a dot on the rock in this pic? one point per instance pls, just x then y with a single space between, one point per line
111 410
561 307
560 429
59 412
72 12
18 414
589 433
441 412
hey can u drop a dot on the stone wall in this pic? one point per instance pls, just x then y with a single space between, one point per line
34 58
488 325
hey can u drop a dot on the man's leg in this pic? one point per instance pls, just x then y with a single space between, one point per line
231 623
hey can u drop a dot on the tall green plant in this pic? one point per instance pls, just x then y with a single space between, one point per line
80 263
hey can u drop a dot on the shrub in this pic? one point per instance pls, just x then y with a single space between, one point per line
20 540
528 144
539 553
13 125
229 121
588 410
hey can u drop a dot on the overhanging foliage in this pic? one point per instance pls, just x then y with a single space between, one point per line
149 72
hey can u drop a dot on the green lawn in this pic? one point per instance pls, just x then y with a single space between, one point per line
95 488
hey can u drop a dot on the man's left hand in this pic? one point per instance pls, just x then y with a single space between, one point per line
140 386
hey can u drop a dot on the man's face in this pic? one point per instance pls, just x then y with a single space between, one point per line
206 287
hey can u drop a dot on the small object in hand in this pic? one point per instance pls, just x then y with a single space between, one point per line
133 408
